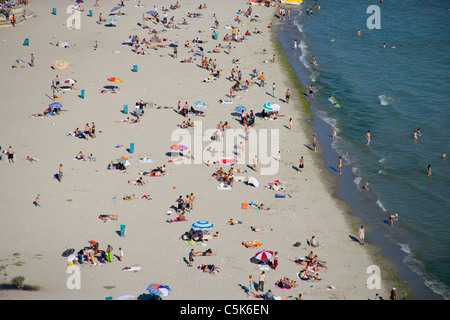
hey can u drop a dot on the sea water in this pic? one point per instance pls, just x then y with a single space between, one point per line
392 91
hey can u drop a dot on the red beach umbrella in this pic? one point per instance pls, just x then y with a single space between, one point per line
264 255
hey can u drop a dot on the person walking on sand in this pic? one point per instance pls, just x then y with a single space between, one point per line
37 202
262 280
288 95
301 164
32 60
191 258
109 253
251 287
120 254
10 153
311 91
262 78
334 134
290 124
273 89
60 173
361 235
255 163
191 201
314 143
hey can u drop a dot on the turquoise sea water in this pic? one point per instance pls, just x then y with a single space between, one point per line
359 86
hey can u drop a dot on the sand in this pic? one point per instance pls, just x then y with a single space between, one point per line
33 238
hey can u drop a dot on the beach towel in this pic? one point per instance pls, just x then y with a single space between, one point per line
222 187
209 80
225 101
146 160
192 242
131 269
282 195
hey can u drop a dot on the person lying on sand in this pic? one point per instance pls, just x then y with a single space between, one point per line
107 217
139 181
235 222
31 159
208 268
165 107
129 197
190 60
254 243
204 253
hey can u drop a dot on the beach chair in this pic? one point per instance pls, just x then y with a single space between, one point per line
135 68
26 42
123 231
54 11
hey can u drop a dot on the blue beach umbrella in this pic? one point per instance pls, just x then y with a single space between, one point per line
55 105
202 225
240 109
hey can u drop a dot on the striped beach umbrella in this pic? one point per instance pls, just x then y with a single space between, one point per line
264 255
271 106
202 225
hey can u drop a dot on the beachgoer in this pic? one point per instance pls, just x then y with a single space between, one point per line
262 280
109 250
191 258
10 153
314 143
37 202
334 133
366 187
340 165
361 235
393 294
275 261
288 95
444 155
251 287
311 91
393 217
120 254
429 170
255 163
273 89
262 78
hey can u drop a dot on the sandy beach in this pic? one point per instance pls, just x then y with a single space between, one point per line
33 238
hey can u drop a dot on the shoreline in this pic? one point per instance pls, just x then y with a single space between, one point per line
397 272
349 276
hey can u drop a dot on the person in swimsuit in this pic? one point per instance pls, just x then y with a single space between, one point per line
340 165
368 138
301 164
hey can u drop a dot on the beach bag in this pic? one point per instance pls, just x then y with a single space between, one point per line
244 205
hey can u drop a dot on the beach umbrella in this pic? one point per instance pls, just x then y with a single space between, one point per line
152 12
70 81
159 289
271 106
55 105
253 181
240 109
202 225
115 8
178 147
60 64
123 161
116 80
264 255
79 1
68 252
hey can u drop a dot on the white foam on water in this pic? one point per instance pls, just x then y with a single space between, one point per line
385 100
380 204
334 101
